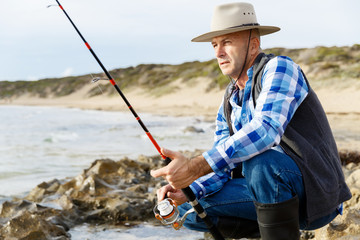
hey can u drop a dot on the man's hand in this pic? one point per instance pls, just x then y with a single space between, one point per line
182 171
167 191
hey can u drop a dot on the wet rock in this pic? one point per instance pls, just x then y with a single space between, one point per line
115 192
103 167
43 189
32 226
65 202
108 192
28 220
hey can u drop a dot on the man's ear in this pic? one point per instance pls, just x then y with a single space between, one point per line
254 45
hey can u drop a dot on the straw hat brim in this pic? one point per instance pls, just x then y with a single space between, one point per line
207 37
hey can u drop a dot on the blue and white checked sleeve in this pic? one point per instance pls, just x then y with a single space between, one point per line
209 184
283 90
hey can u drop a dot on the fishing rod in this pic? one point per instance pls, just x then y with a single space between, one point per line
187 191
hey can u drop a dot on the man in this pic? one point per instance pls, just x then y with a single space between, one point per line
272 127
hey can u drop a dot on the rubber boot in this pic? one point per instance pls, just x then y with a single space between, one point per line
279 221
232 227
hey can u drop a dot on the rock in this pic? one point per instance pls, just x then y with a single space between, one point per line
103 167
28 220
115 192
32 226
65 202
346 226
353 181
43 189
349 156
108 192
193 129
140 188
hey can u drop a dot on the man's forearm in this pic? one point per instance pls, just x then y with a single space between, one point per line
200 166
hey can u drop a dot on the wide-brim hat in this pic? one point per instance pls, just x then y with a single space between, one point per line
234 17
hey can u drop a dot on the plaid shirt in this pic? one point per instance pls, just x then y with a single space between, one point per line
255 129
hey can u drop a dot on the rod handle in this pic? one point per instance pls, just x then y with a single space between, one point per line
167 160
199 209
202 213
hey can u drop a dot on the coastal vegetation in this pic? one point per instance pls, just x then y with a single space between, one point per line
320 64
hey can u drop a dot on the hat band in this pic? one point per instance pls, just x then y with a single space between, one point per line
245 25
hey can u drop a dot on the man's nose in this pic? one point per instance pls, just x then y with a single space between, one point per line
219 52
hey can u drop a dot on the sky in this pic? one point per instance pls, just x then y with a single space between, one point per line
37 42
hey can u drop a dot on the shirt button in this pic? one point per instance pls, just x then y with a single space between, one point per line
244 115
200 192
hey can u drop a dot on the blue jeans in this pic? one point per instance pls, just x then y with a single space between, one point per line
270 177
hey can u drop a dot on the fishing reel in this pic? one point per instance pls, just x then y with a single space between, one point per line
167 213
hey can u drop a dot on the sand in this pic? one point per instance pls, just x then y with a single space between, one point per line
342 105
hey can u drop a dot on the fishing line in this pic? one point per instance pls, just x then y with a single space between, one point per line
95 80
187 191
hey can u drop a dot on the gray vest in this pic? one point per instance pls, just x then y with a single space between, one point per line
308 140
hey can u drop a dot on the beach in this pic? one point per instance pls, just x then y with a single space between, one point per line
340 100
75 130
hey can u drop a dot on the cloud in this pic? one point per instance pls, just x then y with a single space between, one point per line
32 78
67 72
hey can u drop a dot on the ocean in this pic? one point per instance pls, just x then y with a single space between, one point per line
42 143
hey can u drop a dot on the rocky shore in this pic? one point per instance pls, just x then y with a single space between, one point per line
123 193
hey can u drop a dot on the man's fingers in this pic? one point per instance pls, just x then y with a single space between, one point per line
168 153
161 193
158 173
178 196
164 192
172 195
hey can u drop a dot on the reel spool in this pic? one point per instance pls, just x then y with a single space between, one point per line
167 213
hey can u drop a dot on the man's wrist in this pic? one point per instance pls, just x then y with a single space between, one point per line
200 166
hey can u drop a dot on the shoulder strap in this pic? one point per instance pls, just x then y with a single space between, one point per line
258 69
257 75
227 106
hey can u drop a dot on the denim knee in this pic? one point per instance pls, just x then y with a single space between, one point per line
258 169
272 177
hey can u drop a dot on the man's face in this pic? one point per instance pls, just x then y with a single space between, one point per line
230 50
